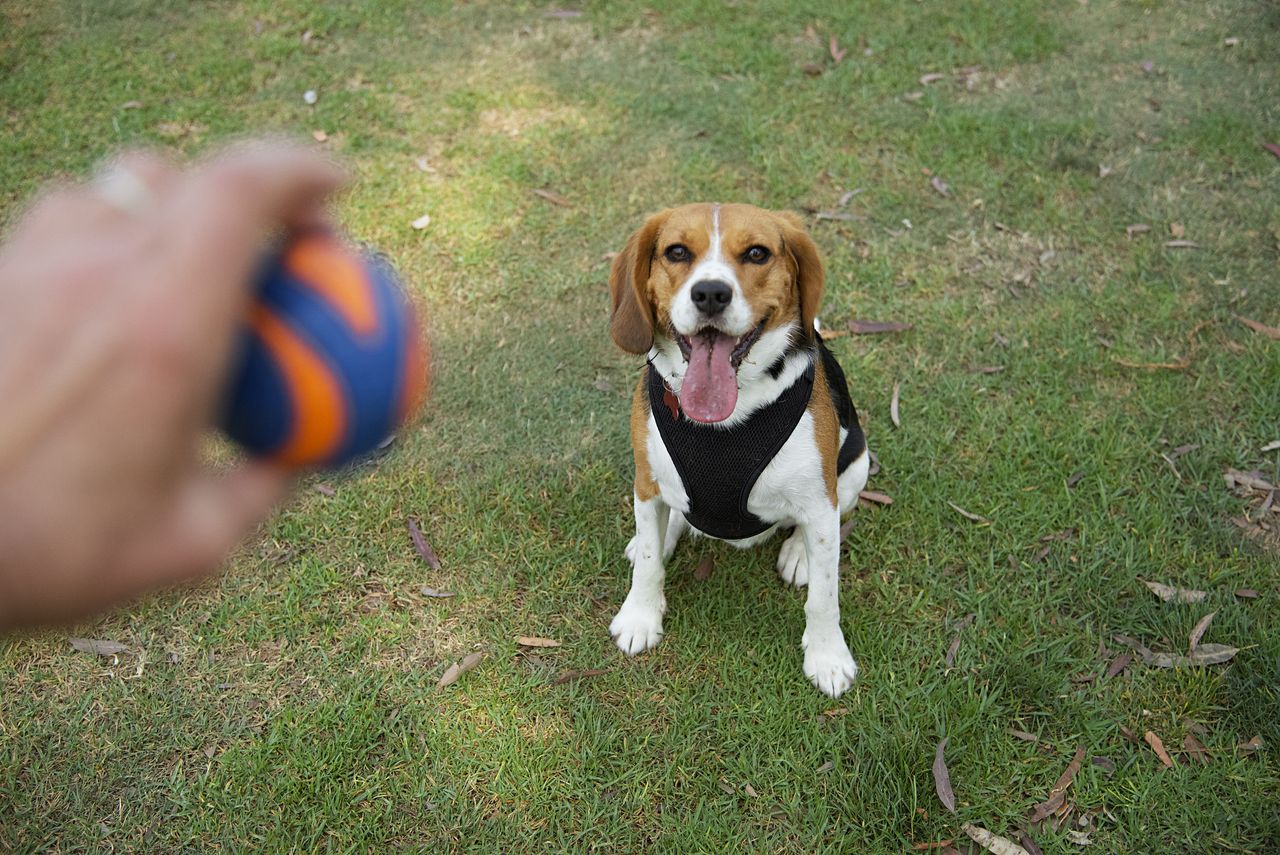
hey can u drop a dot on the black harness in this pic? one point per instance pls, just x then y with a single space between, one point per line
720 466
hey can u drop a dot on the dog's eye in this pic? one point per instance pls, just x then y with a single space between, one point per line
677 253
757 255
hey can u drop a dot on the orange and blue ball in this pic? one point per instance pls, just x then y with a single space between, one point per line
333 359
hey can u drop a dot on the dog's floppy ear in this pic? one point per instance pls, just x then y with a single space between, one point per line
631 322
810 275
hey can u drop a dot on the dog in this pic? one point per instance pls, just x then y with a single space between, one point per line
742 422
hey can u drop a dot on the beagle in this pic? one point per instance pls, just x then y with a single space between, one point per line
741 423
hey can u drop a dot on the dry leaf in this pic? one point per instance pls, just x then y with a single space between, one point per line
1272 147
993 843
826 767
1130 735
845 528
1231 41
931 77
1252 480
100 646
950 658
1076 478
1269 332
1251 746
553 198
428 591
1136 229
812 69
1192 746
875 497
1024 736
1177 230
1181 244
1058 792
705 568
457 669
828 335
422 222
1184 449
942 778
940 187
1247 594
987 369
1158 747
568 676
326 490
837 53
1028 843
969 515
420 545
860 327
936 844
319 135
1106 764
750 790
1079 838
1198 632
913 96
1119 664
1175 595
836 711
893 406
536 641
1270 446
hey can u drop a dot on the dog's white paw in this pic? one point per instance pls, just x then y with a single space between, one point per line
793 561
829 665
631 549
636 627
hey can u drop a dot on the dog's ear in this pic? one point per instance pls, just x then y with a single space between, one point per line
631 321
810 276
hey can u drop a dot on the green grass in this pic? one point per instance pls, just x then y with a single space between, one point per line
291 704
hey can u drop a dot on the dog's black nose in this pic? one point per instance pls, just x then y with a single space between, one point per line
711 296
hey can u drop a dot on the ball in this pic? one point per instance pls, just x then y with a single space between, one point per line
332 358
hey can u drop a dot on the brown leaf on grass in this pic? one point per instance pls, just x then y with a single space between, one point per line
1177 230
457 669
704 569
1192 746
969 515
1184 449
1119 664
1076 478
935 844
319 136
1058 793
1247 594
991 842
812 69
1263 329
1204 654
1175 595
826 767
326 490
1181 244
986 369
536 641
1136 229
99 646
828 334
552 197
1198 632
861 327
835 711
1158 747
875 497
837 53
1028 844
942 778
1106 764
1024 736
940 187
846 527
931 77
1249 480
893 406
568 676
420 545
1250 747
955 642
750 790
1130 735
428 591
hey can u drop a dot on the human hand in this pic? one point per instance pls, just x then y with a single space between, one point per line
120 303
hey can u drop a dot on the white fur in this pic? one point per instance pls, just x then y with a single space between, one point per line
736 319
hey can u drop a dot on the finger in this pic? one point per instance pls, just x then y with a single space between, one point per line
210 516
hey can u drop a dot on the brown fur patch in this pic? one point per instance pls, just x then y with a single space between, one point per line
646 488
826 431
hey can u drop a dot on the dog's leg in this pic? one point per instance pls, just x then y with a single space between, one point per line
827 661
638 624
676 525
793 563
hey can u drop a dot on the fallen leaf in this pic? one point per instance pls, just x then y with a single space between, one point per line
536 641
1175 595
1027 843
875 497
553 198
1130 735
457 669
100 646
969 515
1181 244
893 406
812 69
750 790
942 778
993 843
1204 654
950 658
847 195
1198 632
1136 229
424 164
567 676
705 568
1269 332
837 53
1076 478
1184 449
931 77
1158 747
422 222
319 135
836 711
1247 594
1272 147
987 369
326 490
1231 41
860 327
1024 736
826 767
1192 746
1254 744
1103 170
1270 446
131 105
1119 664
936 844
1252 480
846 527
726 787
912 96
940 187
1079 838
828 335
428 591
1106 764
1058 792
1177 230
420 545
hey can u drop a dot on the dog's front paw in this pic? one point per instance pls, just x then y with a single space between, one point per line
793 561
631 549
829 665
636 627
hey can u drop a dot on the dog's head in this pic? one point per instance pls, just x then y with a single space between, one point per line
719 286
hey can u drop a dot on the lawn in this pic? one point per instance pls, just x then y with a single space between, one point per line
1076 376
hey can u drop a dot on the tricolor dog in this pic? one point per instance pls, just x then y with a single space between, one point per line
742 422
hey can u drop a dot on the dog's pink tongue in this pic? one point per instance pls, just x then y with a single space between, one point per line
710 389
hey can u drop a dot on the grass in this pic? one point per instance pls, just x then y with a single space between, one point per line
291 704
